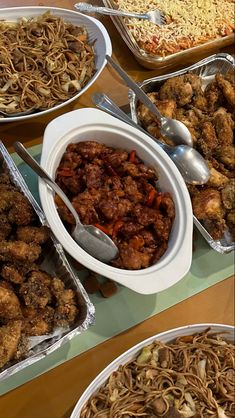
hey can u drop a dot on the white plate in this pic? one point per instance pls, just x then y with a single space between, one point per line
96 32
129 355
93 124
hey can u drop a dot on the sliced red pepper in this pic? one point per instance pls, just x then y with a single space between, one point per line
150 197
65 172
103 228
158 201
132 157
117 226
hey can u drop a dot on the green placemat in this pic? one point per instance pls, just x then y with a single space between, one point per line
126 308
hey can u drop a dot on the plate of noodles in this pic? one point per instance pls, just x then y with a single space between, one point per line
184 372
48 58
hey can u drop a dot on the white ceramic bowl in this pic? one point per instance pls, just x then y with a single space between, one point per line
92 124
129 355
96 33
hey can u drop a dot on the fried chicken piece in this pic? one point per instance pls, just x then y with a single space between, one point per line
10 273
228 195
217 179
166 107
218 165
21 212
215 227
38 321
181 89
226 154
207 204
19 251
231 222
57 287
38 235
9 304
4 179
230 76
200 102
5 226
35 293
227 89
6 199
62 295
223 124
231 216
208 141
6 285
9 339
175 88
65 315
66 311
40 276
196 83
214 96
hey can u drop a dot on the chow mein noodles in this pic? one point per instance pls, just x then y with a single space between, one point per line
43 62
190 377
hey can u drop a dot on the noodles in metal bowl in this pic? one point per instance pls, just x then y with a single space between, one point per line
184 372
48 58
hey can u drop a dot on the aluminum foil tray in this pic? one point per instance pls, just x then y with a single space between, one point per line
206 68
54 261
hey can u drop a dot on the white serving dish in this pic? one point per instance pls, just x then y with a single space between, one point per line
93 124
129 355
96 33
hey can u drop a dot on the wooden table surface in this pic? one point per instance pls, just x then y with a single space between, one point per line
54 394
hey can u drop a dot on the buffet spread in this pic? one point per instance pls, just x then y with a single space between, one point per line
119 180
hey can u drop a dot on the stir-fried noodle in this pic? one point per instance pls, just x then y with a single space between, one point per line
43 62
191 377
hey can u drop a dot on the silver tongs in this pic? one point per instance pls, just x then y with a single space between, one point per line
154 16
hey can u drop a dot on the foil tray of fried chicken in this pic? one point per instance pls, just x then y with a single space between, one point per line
43 305
202 96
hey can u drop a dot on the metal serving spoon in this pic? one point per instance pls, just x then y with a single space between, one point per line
154 16
90 238
171 128
189 162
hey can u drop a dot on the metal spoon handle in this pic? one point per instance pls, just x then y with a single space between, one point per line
89 8
28 159
134 86
105 103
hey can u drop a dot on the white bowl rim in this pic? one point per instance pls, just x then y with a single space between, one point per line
165 336
96 22
134 279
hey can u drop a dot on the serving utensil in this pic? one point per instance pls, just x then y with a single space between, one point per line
90 238
154 16
171 128
189 161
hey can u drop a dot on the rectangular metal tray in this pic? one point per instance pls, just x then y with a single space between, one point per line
179 59
204 68
55 262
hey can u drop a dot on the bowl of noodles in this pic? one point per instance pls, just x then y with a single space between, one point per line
184 372
48 58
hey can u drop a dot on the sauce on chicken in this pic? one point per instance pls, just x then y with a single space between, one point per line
115 191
